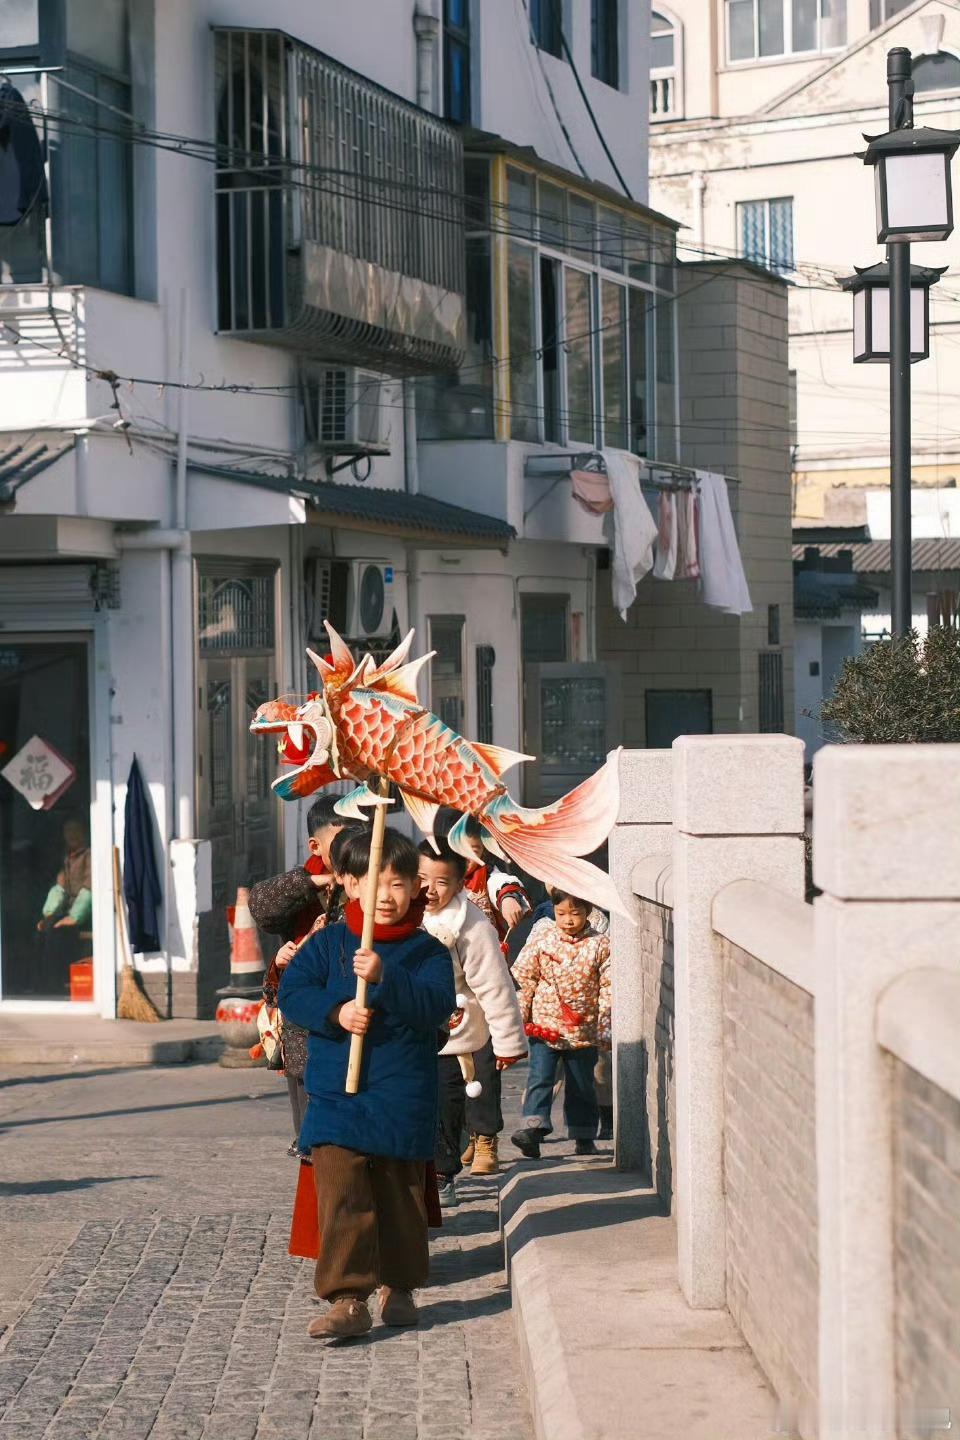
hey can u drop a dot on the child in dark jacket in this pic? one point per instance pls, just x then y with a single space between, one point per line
370 1150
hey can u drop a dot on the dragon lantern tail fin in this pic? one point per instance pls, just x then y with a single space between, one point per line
548 843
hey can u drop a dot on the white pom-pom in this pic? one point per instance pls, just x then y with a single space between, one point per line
474 1089
462 1002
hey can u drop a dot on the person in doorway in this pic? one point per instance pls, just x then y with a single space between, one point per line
563 975
490 1027
289 906
67 911
370 1150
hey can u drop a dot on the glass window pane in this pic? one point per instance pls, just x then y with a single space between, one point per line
666 383
581 222
19 24
781 234
753 231
610 229
661 52
636 245
833 24
552 227
114 190
446 671
459 406
665 252
804 24
613 341
476 177
97 30
771 27
520 201
73 180
638 318
578 330
523 364
741 39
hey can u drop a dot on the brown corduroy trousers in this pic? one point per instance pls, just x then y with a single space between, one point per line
373 1223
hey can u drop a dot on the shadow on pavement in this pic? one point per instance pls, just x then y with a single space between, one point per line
142 1110
10 1188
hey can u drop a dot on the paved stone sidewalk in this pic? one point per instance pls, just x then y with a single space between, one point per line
195 1329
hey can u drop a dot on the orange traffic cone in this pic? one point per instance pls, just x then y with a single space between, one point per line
246 957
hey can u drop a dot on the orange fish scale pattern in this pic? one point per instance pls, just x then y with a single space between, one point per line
426 757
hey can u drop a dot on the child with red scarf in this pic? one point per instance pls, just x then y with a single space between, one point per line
370 1150
289 906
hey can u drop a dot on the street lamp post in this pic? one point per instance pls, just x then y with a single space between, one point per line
914 202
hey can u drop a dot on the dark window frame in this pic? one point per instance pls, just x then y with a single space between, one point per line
457 105
546 26
605 42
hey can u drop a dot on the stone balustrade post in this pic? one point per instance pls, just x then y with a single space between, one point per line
643 828
738 815
887 859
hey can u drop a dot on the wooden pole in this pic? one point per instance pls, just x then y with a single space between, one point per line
369 921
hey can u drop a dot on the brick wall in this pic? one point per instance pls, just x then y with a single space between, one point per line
656 961
770 1178
926 1252
734 409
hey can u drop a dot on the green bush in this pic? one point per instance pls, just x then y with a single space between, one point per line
900 691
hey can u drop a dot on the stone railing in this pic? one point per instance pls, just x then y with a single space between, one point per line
789 1075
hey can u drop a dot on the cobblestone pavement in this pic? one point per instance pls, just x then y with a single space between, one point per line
188 1322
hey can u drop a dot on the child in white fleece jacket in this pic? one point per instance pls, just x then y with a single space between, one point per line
489 1028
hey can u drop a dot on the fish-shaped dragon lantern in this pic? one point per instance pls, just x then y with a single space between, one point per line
367 724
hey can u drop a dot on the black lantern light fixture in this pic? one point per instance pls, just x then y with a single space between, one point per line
870 287
912 177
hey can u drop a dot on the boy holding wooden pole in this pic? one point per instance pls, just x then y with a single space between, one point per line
373 991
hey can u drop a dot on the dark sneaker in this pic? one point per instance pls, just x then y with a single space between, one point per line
347 1318
585 1147
527 1142
447 1191
397 1307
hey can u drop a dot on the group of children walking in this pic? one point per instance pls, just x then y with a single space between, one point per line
442 1007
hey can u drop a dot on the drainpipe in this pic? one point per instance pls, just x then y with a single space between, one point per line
698 186
81 471
181 608
411 484
426 25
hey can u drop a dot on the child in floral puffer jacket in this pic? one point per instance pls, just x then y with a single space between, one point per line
563 975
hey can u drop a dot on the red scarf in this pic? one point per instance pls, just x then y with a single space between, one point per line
315 866
409 925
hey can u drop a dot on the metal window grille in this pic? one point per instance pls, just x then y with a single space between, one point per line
771 691
236 614
486 658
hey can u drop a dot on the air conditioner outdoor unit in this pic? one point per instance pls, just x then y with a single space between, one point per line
357 597
343 409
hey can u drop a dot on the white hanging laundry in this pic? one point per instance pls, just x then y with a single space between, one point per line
724 585
665 565
630 528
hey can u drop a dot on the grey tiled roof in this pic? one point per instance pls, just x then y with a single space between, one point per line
874 557
22 458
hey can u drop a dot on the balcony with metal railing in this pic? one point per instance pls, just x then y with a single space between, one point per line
340 230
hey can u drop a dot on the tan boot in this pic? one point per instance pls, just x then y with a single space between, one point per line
397 1307
485 1160
346 1318
468 1154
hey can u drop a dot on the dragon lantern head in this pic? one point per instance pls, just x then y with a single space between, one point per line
307 743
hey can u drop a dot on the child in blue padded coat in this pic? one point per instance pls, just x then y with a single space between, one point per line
370 1150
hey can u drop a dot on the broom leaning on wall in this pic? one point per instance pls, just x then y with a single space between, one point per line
132 1003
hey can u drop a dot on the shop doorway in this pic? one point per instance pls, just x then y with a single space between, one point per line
46 912
237 812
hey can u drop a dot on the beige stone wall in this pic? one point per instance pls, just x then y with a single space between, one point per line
656 962
734 418
926 1252
770 1177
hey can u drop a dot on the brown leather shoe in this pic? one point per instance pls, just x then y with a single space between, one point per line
347 1318
397 1307
468 1154
485 1160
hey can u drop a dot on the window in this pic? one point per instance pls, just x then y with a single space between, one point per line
544 629
605 41
486 659
456 61
546 26
766 233
446 672
758 29
83 82
665 37
936 72
592 349
883 10
770 687
670 713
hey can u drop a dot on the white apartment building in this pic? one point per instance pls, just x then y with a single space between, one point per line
315 324
759 109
